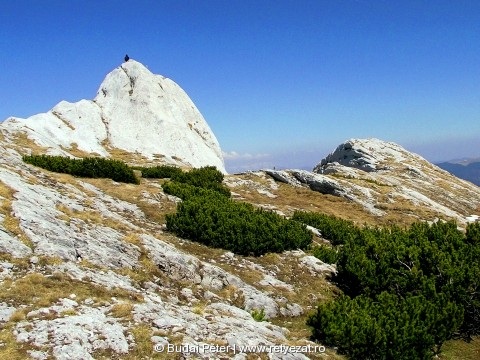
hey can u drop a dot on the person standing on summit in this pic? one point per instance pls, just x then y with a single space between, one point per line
126 58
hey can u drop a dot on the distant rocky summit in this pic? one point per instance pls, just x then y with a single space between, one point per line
134 111
383 177
365 154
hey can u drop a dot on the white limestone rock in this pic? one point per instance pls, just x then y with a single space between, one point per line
134 110
107 279
364 154
283 176
75 337
6 312
36 208
184 267
316 266
12 245
320 183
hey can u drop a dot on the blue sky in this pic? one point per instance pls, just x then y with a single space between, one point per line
281 83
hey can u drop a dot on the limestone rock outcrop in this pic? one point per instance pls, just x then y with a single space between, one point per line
135 111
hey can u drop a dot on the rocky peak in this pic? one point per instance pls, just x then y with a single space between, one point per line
366 154
134 110
388 181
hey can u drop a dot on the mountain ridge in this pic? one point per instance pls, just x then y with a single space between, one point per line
133 111
88 269
381 175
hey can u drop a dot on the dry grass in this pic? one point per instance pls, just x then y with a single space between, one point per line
49 261
122 310
155 213
126 156
59 117
89 216
20 264
18 315
144 347
233 295
9 348
461 350
146 270
69 312
37 290
23 144
199 309
75 151
10 222
403 212
289 198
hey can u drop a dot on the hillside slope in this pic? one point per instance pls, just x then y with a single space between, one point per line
389 183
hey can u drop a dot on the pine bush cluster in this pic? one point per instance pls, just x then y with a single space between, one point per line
325 253
405 291
336 230
91 167
207 177
208 215
387 327
160 172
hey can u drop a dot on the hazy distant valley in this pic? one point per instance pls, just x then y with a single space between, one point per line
465 169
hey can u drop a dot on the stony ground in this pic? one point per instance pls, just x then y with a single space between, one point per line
87 269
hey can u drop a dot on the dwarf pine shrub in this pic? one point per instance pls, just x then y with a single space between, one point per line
334 229
326 254
91 167
160 172
207 177
208 215
386 326
406 291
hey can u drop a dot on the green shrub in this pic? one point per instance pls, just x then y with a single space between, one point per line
258 315
185 191
473 233
334 229
211 218
208 215
87 167
420 259
160 172
203 178
326 254
207 177
387 326
423 280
